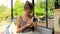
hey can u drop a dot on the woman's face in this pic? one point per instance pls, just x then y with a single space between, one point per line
28 11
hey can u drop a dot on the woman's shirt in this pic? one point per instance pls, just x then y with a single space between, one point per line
24 23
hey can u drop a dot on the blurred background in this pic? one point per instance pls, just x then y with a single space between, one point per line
18 9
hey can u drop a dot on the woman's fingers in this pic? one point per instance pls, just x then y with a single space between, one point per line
28 24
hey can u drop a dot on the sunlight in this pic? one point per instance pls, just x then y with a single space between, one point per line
7 3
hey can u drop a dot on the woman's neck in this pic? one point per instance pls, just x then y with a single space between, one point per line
25 14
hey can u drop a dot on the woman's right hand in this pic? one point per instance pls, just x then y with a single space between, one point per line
29 23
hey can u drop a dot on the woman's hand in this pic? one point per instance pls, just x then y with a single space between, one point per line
34 25
28 23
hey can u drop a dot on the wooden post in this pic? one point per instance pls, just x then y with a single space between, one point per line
11 9
46 13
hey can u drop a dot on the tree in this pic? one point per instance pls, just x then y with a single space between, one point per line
18 8
40 7
4 13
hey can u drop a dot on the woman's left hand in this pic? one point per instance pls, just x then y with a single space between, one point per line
34 24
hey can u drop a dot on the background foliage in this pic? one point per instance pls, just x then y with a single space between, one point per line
18 9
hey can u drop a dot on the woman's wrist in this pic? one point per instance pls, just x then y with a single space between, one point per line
26 26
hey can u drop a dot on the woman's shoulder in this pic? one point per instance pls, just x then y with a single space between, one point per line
17 20
19 17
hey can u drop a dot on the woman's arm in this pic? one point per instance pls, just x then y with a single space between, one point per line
18 21
19 29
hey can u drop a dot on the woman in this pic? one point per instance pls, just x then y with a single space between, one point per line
24 23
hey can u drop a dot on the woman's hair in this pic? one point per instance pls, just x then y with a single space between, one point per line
28 5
